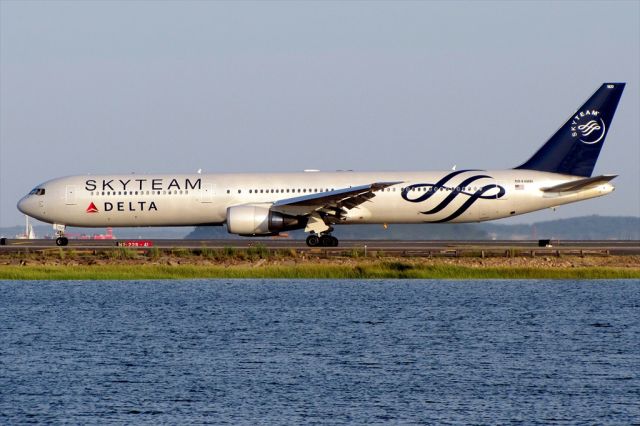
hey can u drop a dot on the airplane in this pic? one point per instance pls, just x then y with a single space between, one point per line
265 204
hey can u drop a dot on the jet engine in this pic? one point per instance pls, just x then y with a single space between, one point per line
259 220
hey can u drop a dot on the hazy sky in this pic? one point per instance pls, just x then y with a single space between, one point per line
113 87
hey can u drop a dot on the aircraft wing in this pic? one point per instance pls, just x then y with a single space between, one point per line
333 203
580 184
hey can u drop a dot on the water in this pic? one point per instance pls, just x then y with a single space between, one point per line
291 352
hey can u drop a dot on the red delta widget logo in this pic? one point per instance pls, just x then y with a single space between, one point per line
92 208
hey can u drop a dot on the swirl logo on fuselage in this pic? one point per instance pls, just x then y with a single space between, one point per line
588 127
426 191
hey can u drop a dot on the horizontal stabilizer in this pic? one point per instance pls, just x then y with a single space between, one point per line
580 184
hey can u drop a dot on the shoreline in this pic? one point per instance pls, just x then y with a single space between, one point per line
127 264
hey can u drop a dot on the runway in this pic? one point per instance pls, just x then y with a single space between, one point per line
416 248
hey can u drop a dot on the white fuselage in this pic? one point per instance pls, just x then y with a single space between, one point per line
203 199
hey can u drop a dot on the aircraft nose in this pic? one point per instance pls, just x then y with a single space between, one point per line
25 205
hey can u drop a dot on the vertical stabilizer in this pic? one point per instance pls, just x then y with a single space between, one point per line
574 148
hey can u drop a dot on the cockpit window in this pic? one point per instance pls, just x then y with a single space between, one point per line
37 191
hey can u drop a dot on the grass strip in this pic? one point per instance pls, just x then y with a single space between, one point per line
387 270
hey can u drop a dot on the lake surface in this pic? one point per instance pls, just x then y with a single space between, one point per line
308 351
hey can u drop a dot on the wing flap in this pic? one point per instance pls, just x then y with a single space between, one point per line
331 201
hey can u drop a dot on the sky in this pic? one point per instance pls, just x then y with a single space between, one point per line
173 87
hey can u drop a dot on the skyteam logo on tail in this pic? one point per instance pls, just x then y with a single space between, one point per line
588 127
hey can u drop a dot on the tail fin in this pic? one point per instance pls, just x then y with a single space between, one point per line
574 148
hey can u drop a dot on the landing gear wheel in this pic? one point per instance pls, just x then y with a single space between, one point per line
62 241
328 241
325 240
313 240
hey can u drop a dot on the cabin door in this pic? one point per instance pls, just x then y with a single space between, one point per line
70 195
507 190
207 192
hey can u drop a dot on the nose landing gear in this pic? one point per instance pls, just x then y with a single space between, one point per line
324 240
61 240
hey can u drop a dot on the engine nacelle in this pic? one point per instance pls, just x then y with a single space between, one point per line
259 220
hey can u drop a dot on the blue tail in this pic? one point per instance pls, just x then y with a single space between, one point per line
574 148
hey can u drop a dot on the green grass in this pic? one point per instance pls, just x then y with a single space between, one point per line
122 253
361 270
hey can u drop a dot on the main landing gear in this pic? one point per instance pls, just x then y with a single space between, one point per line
324 240
61 240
